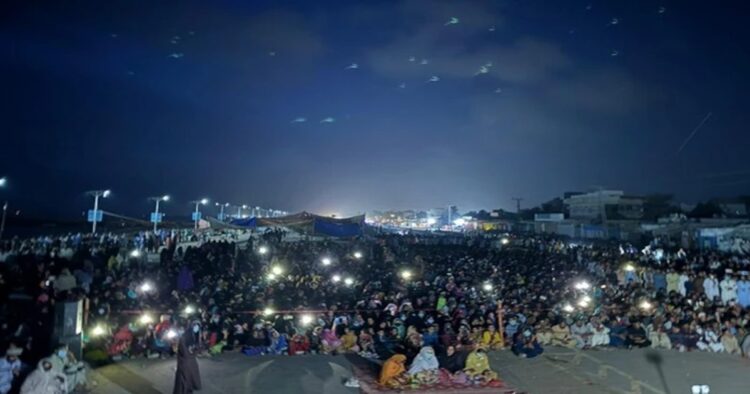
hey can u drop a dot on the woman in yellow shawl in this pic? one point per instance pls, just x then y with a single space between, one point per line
491 338
478 367
393 375
349 341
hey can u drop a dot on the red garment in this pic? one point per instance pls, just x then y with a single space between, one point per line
299 345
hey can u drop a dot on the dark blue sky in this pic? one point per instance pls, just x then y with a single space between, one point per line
92 99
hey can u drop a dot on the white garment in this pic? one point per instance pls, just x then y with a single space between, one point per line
600 337
728 290
711 287
710 341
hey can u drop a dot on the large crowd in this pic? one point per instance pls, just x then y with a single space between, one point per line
427 307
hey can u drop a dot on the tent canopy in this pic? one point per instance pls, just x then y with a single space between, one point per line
308 223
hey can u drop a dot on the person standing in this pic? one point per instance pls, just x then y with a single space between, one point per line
187 378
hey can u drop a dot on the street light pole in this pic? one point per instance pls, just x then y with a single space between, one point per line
95 216
196 215
156 219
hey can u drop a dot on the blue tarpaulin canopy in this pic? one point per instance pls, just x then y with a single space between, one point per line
308 223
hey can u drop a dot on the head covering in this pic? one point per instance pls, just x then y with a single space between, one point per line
14 351
425 361
392 367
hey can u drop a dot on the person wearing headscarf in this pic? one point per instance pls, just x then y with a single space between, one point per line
64 362
44 380
478 367
10 368
278 343
424 368
526 345
329 341
393 374
187 377
491 338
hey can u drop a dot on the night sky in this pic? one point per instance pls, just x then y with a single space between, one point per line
207 99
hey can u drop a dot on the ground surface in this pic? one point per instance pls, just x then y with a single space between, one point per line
557 371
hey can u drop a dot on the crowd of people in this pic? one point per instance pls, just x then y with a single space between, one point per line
427 307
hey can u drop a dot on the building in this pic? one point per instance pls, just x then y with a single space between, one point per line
604 205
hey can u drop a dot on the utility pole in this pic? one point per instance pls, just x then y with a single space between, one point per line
518 203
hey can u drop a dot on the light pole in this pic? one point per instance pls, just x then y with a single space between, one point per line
3 182
197 213
221 210
239 211
95 215
156 218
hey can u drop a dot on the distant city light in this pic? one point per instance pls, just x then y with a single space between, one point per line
459 222
431 221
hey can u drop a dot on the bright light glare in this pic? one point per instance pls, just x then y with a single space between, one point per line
277 270
146 287
145 319
645 305
267 312
204 201
568 308
431 221
357 255
3 181
487 287
582 285
336 278
582 303
459 222
406 274
326 261
306 320
348 281
171 334
271 276
189 310
505 241
165 198
263 250
98 331
135 253
629 267
587 299
106 193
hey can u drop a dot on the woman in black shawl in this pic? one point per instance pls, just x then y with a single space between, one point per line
187 378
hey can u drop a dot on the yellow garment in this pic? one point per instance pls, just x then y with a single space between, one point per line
348 341
492 339
393 367
561 337
477 363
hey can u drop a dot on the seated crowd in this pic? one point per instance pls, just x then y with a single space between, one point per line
428 307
